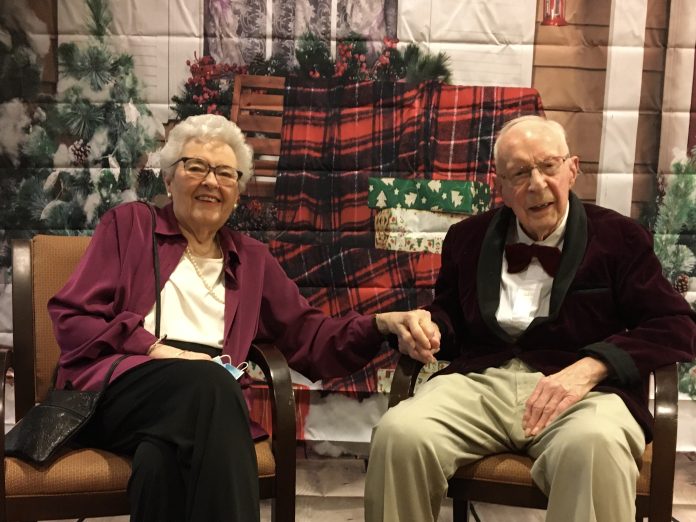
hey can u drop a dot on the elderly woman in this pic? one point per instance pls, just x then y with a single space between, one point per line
182 417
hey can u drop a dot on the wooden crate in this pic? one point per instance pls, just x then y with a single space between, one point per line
257 108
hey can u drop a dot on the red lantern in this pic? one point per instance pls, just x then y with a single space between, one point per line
554 13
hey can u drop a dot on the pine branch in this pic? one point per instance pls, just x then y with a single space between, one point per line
274 66
672 218
81 118
149 185
39 148
412 53
19 71
30 201
97 67
421 67
101 18
123 64
95 64
77 183
313 56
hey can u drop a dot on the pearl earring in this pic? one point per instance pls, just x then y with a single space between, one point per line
169 194
235 206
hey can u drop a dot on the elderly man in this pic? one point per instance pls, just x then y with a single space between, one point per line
553 312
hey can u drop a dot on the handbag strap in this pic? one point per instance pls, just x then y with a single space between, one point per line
155 261
108 375
155 255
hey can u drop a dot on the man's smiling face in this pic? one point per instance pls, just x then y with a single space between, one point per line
535 191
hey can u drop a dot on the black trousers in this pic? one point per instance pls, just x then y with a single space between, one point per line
185 423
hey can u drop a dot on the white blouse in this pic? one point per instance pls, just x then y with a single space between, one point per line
189 311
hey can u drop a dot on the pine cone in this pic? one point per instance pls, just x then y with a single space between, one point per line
682 283
80 151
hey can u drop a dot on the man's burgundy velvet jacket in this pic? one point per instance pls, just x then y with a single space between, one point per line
609 300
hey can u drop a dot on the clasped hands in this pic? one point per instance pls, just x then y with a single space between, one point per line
418 335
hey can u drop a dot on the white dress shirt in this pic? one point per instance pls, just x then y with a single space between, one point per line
526 294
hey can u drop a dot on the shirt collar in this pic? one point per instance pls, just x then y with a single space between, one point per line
555 239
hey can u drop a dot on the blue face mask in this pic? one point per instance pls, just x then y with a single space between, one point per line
226 361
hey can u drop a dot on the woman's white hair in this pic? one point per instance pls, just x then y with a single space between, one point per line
208 127
553 126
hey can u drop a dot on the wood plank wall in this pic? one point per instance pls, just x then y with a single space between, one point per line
651 96
570 65
47 12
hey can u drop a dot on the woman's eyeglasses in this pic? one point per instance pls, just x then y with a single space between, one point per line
548 167
198 168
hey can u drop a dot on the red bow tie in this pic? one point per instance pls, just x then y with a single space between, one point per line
520 255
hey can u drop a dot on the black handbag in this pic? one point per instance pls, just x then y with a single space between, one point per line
51 424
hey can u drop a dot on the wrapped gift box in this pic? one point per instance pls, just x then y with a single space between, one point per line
469 197
410 230
430 242
407 220
385 375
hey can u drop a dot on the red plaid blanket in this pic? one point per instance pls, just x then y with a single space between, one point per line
334 138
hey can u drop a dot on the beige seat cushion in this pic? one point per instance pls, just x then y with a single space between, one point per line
264 458
90 470
511 468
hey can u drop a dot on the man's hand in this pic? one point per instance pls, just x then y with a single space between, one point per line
419 337
556 393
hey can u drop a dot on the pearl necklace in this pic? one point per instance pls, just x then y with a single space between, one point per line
199 273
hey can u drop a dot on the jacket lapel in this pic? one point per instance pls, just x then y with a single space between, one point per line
488 271
574 246
231 264
491 262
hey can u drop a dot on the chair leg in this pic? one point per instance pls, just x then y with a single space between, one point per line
460 510
283 506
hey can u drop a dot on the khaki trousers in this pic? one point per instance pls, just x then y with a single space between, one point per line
585 460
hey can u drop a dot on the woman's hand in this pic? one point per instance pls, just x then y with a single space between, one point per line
419 337
164 351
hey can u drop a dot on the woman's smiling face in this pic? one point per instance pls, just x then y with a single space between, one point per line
203 203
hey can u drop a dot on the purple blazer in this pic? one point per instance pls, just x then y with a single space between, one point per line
609 300
99 313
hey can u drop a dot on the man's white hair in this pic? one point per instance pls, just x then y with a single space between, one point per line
553 126
208 127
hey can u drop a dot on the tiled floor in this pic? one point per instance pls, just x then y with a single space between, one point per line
330 490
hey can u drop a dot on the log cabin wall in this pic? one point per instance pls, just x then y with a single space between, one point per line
570 70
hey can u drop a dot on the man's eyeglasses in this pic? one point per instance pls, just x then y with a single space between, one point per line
548 167
198 168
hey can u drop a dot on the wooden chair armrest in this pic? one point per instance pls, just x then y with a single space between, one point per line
275 369
665 440
404 380
666 402
5 362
